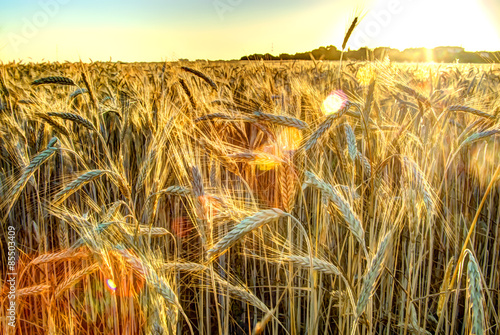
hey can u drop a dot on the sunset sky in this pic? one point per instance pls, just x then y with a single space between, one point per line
157 30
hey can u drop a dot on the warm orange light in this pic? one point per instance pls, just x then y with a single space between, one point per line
289 139
334 102
181 226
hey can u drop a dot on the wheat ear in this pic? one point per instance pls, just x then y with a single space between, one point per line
245 226
325 125
351 142
188 92
32 290
349 32
75 118
73 279
341 204
76 184
202 76
445 285
53 80
475 295
458 108
27 173
371 276
281 120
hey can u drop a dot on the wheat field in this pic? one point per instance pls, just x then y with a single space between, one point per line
249 197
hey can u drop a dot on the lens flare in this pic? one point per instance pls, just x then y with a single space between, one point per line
111 284
334 102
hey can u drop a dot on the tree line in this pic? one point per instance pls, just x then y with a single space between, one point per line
438 54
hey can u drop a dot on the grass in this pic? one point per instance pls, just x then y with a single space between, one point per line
251 197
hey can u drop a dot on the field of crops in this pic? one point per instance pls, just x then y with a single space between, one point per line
250 198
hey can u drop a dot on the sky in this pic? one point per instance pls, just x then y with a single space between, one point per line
159 30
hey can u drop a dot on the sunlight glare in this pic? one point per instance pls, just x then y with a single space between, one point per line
335 101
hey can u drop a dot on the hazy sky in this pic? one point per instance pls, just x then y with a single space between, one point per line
154 30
